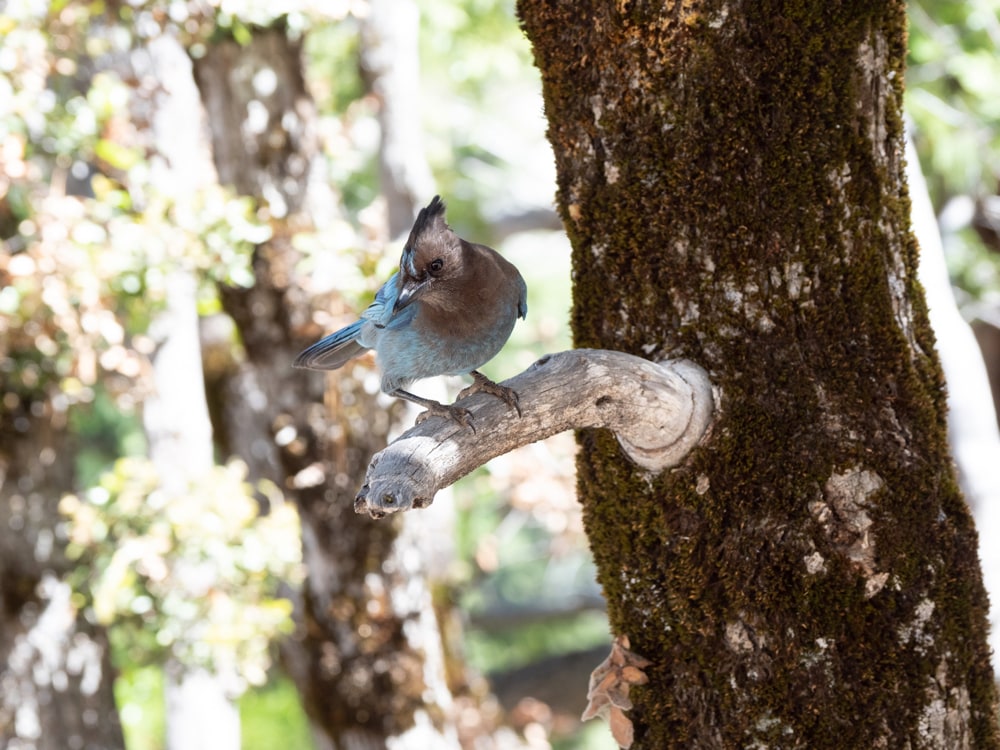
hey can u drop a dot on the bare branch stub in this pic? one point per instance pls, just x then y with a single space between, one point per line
658 411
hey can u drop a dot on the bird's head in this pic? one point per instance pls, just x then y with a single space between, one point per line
431 257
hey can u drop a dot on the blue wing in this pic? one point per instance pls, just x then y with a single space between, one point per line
338 348
332 351
379 311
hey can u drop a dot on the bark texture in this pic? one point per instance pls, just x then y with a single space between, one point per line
55 669
361 658
658 412
731 178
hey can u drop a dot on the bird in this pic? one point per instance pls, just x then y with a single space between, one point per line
448 310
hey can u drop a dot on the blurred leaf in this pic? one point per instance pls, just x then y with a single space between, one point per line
272 717
191 577
116 155
953 97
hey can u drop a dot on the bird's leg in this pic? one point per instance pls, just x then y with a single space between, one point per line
484 384
435 409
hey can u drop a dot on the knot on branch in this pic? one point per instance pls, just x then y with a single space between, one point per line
658 412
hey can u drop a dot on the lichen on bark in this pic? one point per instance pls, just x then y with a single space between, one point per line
731 178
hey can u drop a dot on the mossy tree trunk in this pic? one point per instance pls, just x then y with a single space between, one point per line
731 178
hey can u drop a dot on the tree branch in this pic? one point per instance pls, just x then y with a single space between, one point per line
658 412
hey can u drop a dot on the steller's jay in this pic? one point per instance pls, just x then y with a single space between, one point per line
449 309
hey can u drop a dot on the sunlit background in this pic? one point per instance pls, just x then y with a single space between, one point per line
94 227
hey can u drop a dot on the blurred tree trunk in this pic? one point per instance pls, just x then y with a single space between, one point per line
201 712
56 678
731 178
366 660
390 63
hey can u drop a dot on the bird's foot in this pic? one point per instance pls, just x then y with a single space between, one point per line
483 384
456 414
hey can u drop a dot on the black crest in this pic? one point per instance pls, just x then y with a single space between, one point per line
429 222
427 219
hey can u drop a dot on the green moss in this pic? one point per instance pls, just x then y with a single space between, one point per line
726 203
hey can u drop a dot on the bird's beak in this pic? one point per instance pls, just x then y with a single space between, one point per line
409 291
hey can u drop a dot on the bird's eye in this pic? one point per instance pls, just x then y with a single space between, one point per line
435 266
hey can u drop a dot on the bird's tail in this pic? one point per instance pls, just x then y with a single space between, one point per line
333 351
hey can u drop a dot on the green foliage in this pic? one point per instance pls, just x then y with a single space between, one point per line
974 269
593 735
476 66
89 232
105 428
482 122
272 717
191 576
953 97
140 700
953 93
493 652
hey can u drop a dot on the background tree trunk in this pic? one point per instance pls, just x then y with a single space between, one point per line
367 661
390 63
731 179
55 669
200 706
201 712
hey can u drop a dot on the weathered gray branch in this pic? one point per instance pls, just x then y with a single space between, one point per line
658 411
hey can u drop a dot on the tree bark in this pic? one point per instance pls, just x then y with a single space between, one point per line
658 413
731 178
56 679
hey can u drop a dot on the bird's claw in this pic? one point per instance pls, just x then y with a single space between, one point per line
483 384
457 414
